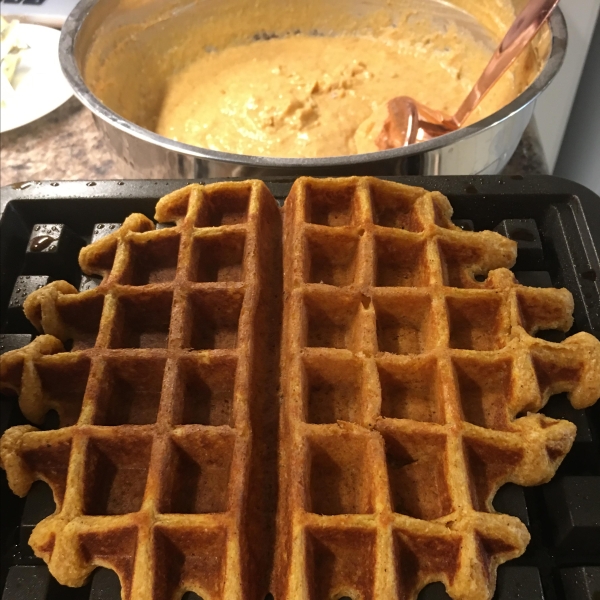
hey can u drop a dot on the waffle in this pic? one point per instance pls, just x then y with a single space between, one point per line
411 383
167 401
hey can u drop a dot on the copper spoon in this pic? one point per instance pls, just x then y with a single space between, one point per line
409 121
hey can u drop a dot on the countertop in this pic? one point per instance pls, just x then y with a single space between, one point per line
66 145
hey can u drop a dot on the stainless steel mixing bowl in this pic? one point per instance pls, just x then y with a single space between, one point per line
482 148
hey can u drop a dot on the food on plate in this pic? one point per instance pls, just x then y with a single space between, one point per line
11 49
411 381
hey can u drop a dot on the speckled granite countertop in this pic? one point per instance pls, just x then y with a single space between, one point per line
66 145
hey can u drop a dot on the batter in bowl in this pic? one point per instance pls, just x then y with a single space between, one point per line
306 96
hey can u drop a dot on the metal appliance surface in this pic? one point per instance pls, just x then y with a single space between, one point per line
482 148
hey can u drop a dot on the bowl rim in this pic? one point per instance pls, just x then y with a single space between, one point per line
76 18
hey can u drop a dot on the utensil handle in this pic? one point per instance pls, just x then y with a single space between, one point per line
521 32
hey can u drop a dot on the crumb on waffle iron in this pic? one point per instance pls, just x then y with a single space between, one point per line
409 396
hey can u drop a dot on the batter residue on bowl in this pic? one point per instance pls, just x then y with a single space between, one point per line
306 96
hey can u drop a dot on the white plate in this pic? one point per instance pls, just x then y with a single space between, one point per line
40 86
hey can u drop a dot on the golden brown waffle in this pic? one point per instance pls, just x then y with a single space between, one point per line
167 401
409 395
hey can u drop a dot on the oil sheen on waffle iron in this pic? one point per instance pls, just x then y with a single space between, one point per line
410 377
